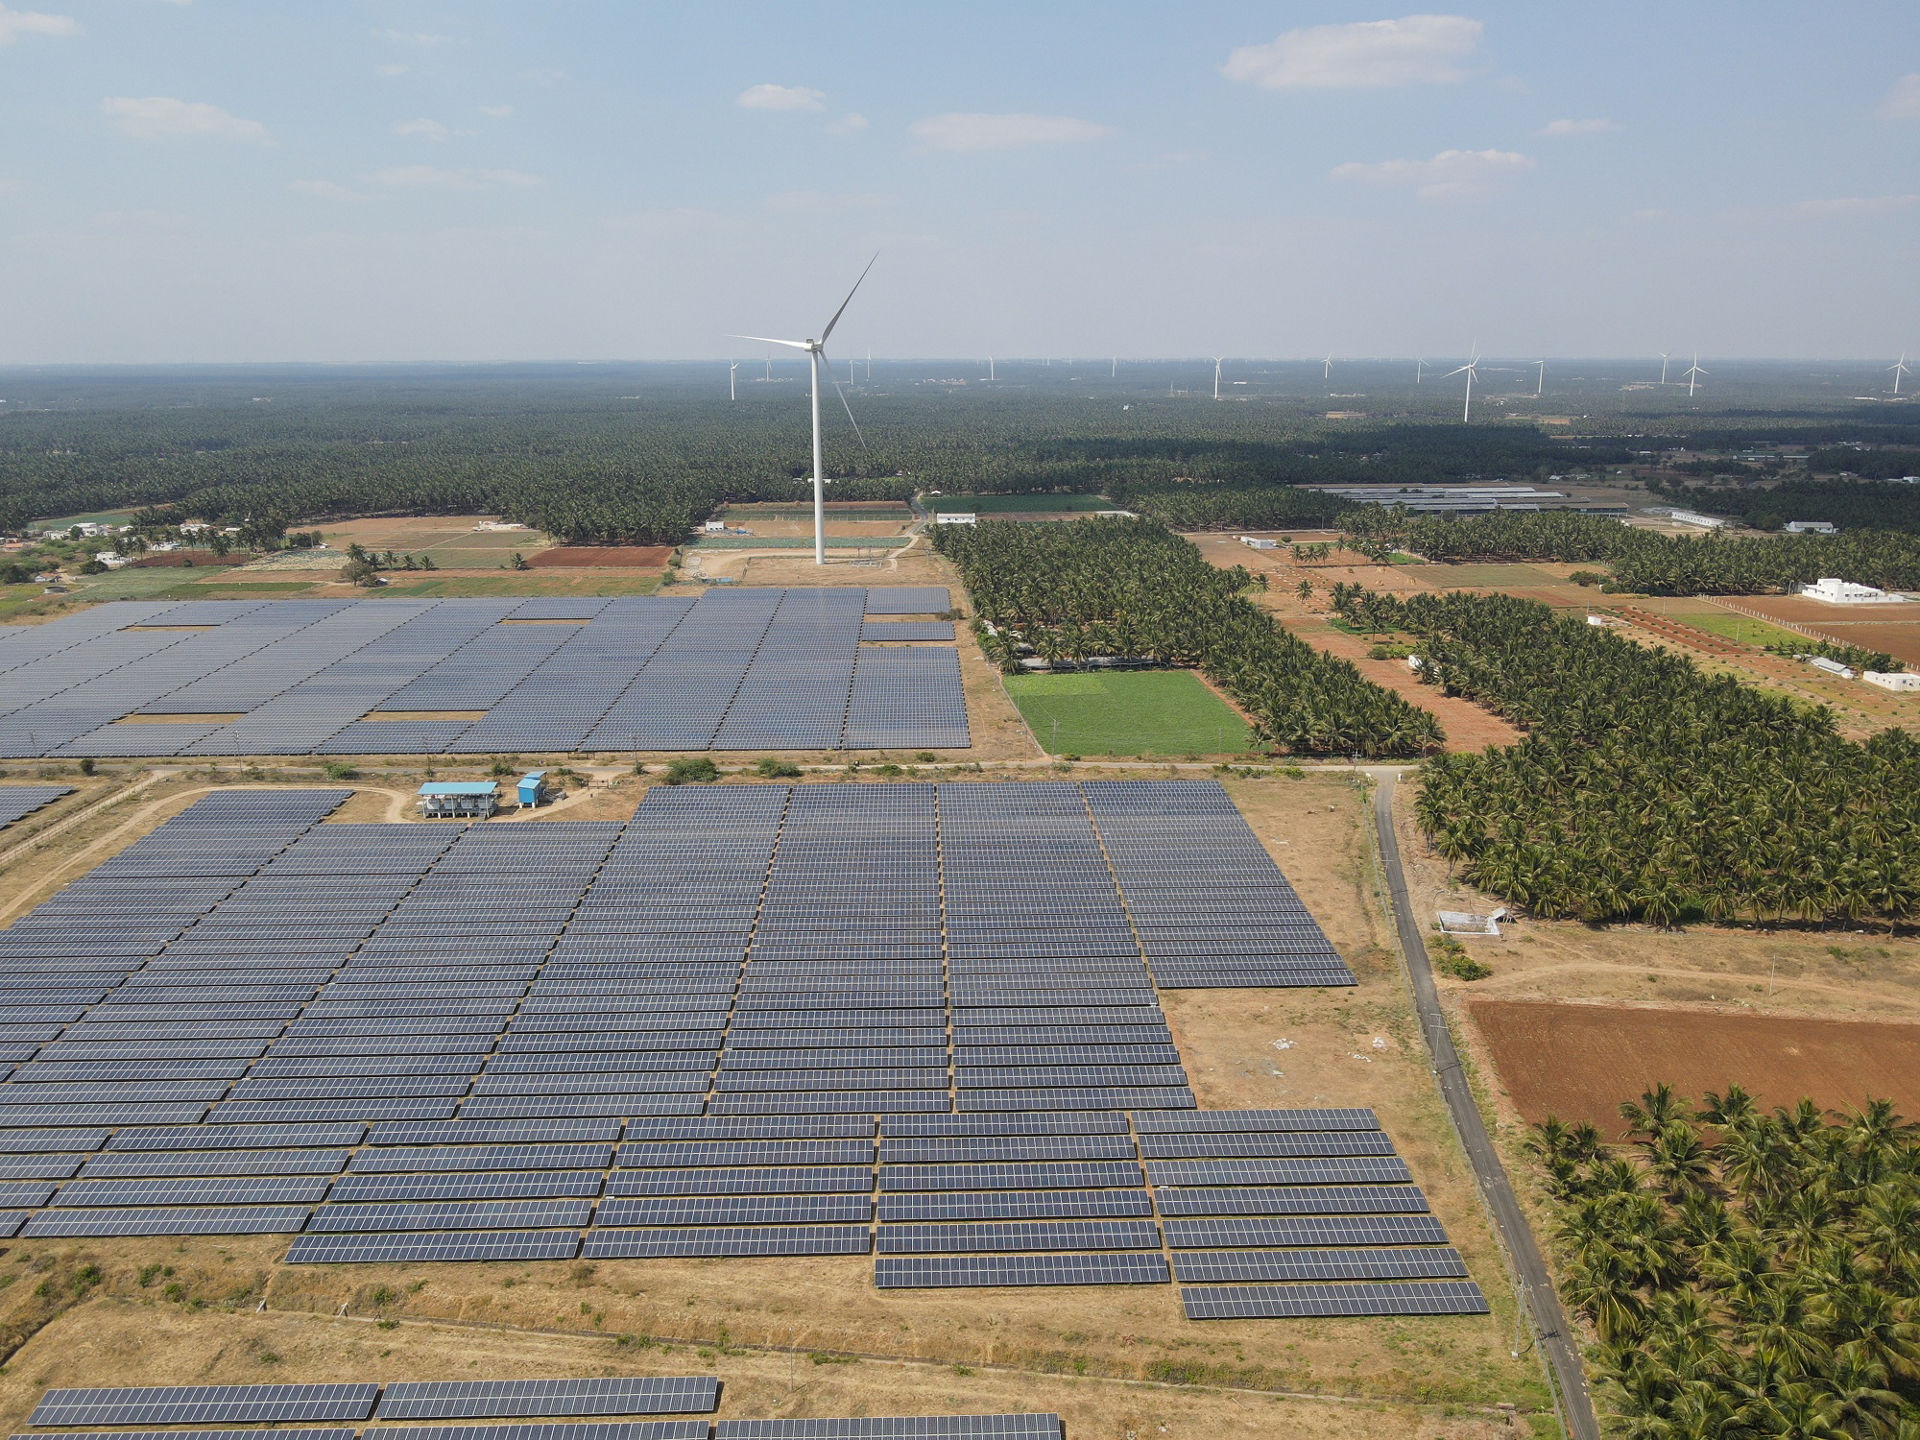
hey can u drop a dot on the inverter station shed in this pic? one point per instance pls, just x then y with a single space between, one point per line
459 799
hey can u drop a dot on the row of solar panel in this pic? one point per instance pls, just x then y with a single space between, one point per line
735 670
395 1400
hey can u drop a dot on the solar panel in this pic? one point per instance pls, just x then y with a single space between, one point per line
1267 1265
1019 1235
575 1430
1272 1302
1240 1233
902 1272
626 1395
204 1404
1015 1205
168 1220
610 1244
396 1249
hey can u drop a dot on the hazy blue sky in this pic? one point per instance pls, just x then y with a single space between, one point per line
224 180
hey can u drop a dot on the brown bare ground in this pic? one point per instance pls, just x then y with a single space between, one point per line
140 1338
1894 628
1581 1061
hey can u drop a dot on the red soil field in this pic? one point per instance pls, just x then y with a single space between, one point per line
1892 628
1580 1061
621 557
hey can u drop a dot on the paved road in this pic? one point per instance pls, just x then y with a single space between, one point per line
1536 1288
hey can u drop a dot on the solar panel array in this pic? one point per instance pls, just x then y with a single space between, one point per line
251 1409
396 1400
754 1020
19 801
735 669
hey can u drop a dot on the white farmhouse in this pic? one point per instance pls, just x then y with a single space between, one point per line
1835 591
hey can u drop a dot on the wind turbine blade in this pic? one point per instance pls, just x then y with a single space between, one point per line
1461 371
826 333
843 402
769 340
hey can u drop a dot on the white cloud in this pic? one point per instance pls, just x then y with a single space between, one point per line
1855 205
17 23
158 117
1368 55
848 124
324 190
974 133
781 97
1450 175
389 71
434 177
1903 101
497 112
423 129
1560 128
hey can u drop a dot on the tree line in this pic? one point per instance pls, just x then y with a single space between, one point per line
1132 589
1849 504
1749 1275
1645 789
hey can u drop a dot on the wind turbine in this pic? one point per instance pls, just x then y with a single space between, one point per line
1327 366
1899 369
769 365
1471 369
1693 373
990 374
1419 368
733 367
816 353
869 367
1114 373
1663 365
1218 361
1540 381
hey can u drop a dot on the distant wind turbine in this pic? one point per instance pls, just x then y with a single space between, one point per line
816 353
1693 373
1218 361
1471 370
1663 365
1419 369
769 365
1899 369
1540 381
869 367
1327 366
733 369
990 374
1115 372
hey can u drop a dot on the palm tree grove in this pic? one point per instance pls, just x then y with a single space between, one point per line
1645 789
1134 590
1749 1275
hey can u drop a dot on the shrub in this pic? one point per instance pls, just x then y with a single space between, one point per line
773 769
691 767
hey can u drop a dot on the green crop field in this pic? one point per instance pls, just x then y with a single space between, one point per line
1128 712
1739 627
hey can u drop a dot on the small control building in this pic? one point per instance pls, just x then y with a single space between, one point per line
458 799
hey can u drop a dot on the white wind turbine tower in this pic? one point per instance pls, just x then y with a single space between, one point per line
1327 366
816 352
990 374
1899 369
1540 381
1664 354
1419 369
1693 373
1471 370
1114 373
1218 361
733 369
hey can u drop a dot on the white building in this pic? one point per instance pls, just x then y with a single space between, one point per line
1258 542
956 517
1811 527
1844 592
112 559
1699 521
1832 667
1892 680
715 527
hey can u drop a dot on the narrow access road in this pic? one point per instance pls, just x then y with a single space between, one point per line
1536 1287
